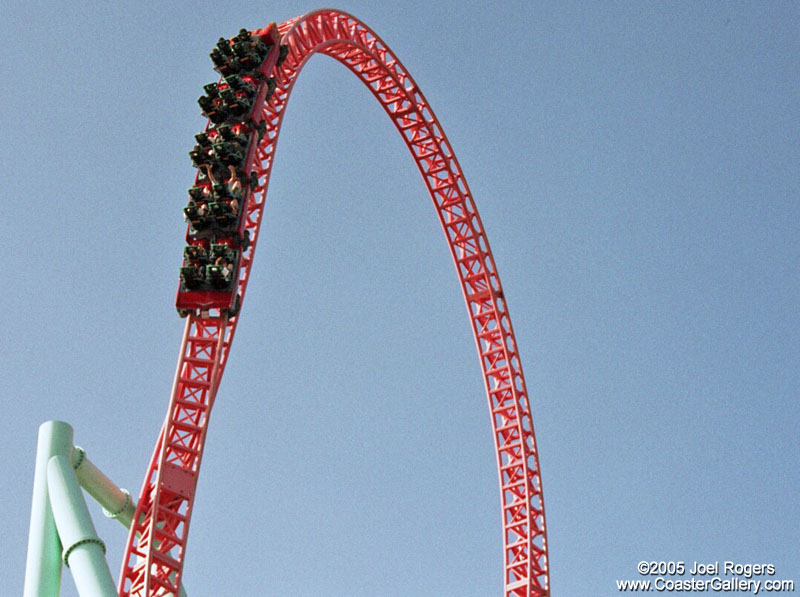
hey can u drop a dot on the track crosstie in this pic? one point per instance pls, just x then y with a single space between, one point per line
156 547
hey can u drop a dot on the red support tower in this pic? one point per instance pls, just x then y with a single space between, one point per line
156 546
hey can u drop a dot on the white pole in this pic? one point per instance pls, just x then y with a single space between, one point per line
68 514
43 566
116 502
84 552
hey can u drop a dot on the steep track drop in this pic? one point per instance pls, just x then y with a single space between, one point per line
156 548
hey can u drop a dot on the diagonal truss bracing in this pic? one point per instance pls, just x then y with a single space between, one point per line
156 547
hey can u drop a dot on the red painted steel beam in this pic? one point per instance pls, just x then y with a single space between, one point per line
156 548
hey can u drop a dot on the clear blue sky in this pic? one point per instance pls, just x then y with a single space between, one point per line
636 168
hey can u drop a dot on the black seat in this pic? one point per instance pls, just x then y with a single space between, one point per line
217 276
196 193
191 275
201 156
203 139
195 253
224 46
224 251
218 58
227 133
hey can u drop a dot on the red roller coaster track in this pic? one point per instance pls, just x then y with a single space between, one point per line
156 548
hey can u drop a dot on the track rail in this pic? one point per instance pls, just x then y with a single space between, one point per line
156 548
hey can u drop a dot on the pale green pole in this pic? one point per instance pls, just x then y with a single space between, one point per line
84 552
58 507
116 502
43 566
